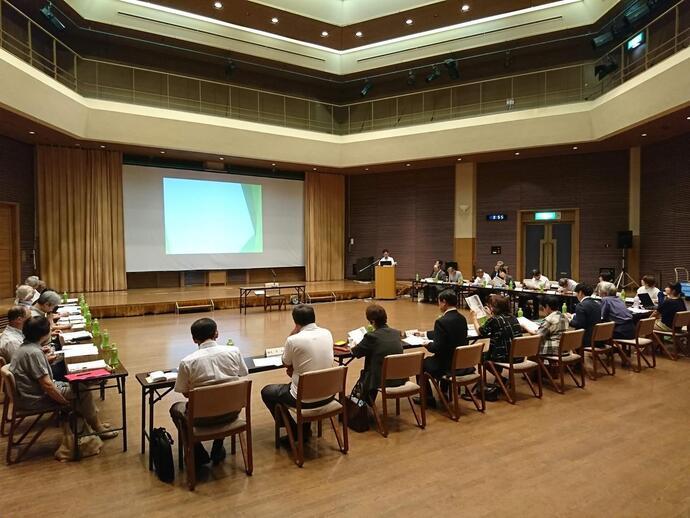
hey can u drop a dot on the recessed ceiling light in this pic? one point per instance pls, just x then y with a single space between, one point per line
102 146
517 153
314 168
465 8
688 118
32 133
274 20
78 144
575 147
324 34
273 164
407 165
644 134
459 159
409 21
366 168
217 5
162 152
221 158
359 34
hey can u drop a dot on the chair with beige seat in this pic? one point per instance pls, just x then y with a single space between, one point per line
678 334
315 386
464 357
213 401
399 367
524 347
17 417
602 346
642 341
570 353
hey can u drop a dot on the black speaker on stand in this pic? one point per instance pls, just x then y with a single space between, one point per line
624 242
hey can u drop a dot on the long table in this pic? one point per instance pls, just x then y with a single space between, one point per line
298 287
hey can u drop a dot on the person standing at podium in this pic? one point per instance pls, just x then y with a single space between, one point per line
387 259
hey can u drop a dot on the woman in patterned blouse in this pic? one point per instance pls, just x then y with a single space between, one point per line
552 327
501 327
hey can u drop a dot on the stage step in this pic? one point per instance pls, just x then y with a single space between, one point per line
195 305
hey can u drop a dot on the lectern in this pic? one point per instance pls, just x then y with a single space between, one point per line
385 282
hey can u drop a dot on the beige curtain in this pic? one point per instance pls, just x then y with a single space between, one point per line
324 222
80 222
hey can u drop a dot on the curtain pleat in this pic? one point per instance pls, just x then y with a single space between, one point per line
80 219
324 220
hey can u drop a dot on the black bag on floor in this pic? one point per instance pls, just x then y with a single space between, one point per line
161 451
357 410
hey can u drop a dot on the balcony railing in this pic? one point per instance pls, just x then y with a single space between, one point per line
22 37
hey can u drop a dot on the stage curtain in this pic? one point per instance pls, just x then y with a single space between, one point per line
80 221
324 220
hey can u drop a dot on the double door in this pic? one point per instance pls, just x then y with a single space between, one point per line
550 246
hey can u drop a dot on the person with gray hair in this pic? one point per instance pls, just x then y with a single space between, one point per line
12 337
24 296
32 280
46 304
614 310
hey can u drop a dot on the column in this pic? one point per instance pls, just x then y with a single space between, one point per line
465 216
635 169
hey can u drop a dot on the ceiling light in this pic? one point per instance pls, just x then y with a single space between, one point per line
162 152
324 34
688 118
407 165
575 148
435 74
217 5
359 34
459 159
465 8
274 20
273 164
452 68
409 21
517 153
102 146
221 158
644 134
32 133
366 168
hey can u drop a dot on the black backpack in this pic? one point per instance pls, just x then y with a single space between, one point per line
161 451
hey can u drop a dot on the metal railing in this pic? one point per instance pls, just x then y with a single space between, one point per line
665 35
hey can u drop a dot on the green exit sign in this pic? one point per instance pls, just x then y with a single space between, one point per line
547 216
635 41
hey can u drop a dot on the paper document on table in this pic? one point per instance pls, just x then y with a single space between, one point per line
271 361
71 351
528 324
356 335
86 366
158 376
475 304
69 310
77 335
412 339
471 331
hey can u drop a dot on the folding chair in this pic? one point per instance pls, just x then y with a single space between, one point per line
464 357
569 353
678 334
602 334
524 347
396 367
642 340
212 401
315 385
17 417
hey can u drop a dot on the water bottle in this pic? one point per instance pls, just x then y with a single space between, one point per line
230 342
64 297
114 360
623 294
105 340
95 329
564 308
416 277
520 313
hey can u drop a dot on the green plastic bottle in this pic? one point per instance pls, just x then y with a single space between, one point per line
623 295
511 285
230 342
64 297
416 277
564 308
520 313
369 328
105 340
114 360
95 328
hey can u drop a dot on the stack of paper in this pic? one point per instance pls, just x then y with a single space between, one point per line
158 376
86 366
75 336
69 310
528 324
72 351
271 361
413 340
471 331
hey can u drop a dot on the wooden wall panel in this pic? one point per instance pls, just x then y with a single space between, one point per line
665 211
408 212
18 186
597 184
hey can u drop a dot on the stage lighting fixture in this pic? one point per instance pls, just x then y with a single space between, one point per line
411 78
602 39
452 68
368 85
434 75
604 69
47 11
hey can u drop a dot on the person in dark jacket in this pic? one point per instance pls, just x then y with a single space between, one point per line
587 312
374 347
450 331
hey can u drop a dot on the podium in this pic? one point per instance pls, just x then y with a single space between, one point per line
385 282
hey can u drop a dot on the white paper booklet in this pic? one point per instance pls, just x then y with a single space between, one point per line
86 366
271 361
71 351
77 335
157 376
355 336
528 324
475 304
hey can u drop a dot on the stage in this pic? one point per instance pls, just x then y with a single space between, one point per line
147 301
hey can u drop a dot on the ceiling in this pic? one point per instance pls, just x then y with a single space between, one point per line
385 39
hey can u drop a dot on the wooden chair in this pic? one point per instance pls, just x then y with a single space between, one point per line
315 385
213 401
521 347
5 400
678 333
642 341
602 334
16 418
396 367
464 357
569 353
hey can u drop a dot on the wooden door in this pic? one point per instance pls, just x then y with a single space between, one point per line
9 249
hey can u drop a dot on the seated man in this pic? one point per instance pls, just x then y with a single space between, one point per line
454 275
12 337
552 326
605 282
538 281
211 363
36 389
308 348
648 286
587 312
45 306
499 264
481 277
437 274
450 331
566 285
614 310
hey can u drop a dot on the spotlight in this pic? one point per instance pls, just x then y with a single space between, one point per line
368 85
601 40
324 34
409 21
47 11
274 20
435 74
217 5
359 34
604 69
465 8
411 78
452 68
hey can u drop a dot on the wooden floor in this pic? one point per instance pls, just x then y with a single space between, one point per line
618 448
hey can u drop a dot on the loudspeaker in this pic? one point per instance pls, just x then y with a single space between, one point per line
367 274
625 239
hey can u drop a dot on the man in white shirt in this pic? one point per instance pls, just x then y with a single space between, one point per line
539 280
210 364
387 257
566 285
12 337
308 348
481 277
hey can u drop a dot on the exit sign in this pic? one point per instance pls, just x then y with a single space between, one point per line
635 41
547 216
